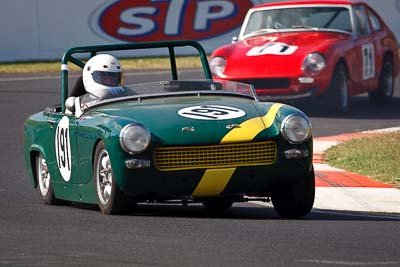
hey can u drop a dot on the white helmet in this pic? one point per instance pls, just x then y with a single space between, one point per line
101 73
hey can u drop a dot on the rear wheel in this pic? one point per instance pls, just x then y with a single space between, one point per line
295 200
44 182
111 199
384 92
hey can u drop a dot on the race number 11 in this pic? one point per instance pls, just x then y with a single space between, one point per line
63 148
368 61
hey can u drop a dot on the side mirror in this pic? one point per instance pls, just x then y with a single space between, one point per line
70 105
234 39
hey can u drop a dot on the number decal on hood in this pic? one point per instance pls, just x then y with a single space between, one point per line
272 49
63 148
211 112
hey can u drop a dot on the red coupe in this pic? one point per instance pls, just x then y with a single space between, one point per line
301 49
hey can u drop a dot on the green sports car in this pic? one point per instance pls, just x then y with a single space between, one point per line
196 141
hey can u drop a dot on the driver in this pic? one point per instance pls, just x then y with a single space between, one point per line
102 79
101 75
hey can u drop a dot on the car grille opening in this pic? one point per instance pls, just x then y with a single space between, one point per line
268 83
215 156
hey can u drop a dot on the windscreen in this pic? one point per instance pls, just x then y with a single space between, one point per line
182 87
316 17
176 88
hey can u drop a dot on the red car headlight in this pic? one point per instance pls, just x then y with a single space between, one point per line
217 66
313 63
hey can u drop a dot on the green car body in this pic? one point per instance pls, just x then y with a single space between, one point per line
208 159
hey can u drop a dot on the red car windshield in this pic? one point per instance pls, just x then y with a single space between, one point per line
314 17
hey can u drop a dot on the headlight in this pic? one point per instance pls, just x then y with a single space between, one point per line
313 63
134 138
296 129
217 66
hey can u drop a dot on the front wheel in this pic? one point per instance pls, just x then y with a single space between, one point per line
111 199
337 99
297 199
44 183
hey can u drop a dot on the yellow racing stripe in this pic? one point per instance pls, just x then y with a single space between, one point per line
250 128
269 118
214 181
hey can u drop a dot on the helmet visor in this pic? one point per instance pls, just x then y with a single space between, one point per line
107 78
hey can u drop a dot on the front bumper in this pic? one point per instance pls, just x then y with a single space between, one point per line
287 88
264 96
293 163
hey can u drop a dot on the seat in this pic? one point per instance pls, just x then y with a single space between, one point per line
79 88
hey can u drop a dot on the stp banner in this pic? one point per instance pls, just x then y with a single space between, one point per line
44 29
150 20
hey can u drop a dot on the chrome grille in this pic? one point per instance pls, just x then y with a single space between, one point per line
215 156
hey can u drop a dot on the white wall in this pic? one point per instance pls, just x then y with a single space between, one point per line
44 29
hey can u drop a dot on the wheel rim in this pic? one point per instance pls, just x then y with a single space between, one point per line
388 79
43 176
104 177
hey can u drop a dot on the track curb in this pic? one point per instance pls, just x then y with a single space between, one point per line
340 190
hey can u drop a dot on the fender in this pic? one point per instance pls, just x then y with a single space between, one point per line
31 164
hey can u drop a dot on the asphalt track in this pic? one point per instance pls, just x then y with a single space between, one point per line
33 234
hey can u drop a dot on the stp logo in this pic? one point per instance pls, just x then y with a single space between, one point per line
150 20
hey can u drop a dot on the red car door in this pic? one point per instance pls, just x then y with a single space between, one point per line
379 34
366 77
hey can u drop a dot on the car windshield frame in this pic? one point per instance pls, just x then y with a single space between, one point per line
268 22
177 88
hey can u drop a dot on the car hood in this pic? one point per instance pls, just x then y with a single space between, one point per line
272 52
197 120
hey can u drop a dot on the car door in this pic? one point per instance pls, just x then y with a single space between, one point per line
61 148
378 35
366 73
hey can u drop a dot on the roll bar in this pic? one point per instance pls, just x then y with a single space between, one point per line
93 50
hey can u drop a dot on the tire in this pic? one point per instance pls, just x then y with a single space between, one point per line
44 181
384 93
217 205
295 200
338 97
111 200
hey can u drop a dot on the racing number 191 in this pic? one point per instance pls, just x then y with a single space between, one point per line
211 112
63 148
